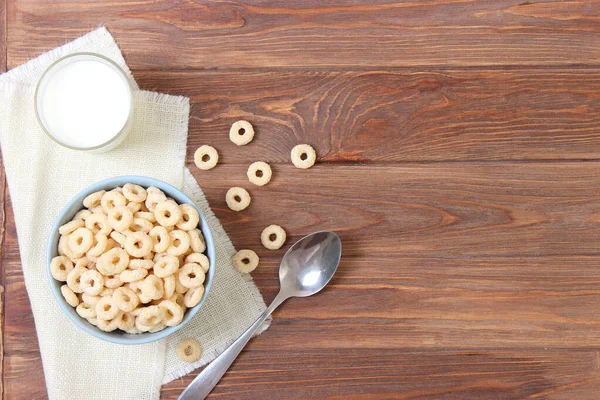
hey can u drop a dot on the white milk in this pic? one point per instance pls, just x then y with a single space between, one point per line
84 102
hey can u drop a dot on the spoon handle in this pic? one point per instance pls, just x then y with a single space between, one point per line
206 380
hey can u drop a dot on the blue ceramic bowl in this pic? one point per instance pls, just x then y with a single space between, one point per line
67 214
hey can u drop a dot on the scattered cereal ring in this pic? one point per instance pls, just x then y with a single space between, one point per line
126 322
133 275
180 242
167 213
193 296
191 275
120 218
245 261
81 240
134 192
145 215
111 200
106 308
138 244
154 198
91 300
60 266
100 245
70 297
145 264
74 279
113 261
86 310
169 286
197 242
161 238
206 157
98 223
259 173
241 133
125 299
153 287
189 217
273 237
189 350
198 258
237 198
118 237
91 282
173 314
82 214
93 200
71 226
166 266
114 282
149 317
303 156
134 206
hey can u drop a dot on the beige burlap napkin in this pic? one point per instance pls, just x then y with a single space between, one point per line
42 177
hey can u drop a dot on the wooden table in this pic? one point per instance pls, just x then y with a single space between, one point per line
459 160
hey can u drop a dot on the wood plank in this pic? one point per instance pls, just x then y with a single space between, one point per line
3 31
334 33
406 374
24 377
386 116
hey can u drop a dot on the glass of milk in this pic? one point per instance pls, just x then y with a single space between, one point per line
84 101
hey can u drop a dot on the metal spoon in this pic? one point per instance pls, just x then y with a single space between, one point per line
305 269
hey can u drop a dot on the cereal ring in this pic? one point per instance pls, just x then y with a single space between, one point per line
60 266
189 350
154 197
157 328
125 299
134 192
206 157
91 282
113 261
91 300
118 189
303 156
100 245
134 206
86 310
74 279
138 244
241 133
145 215
145 264
197 242
198 258
167 213
70 297
65 249
152 287
106 308
149 317
169 286
179 299
82 214
118 237
114 282
141 225
161 238
71 226
273 237
166 266
173 314
93 200
149 256
112 243
191 275
193 296
111 200
189 217
98 223
179 288
245 261
126 321
93 321
81 240
154 189
259 173
132 275
120 218
107 292
97 210
180 242
237 198
108 326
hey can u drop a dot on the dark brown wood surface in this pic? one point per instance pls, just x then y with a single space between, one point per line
459 160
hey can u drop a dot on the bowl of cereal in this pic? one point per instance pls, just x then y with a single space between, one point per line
131 259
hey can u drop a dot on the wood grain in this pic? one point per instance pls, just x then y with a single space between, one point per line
452 115
203 34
